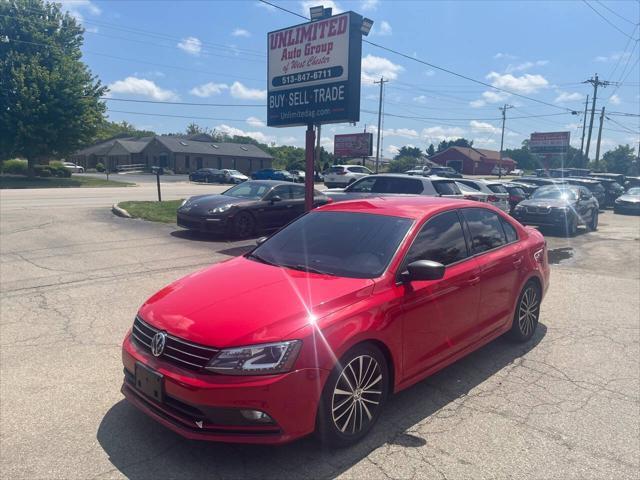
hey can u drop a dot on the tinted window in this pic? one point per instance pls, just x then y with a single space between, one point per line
387 185
470 184
336 169
282 191
364 185
345 244
447 188
497 188
485 228
509 231
441 240
297 191
248 190
556 193
517 191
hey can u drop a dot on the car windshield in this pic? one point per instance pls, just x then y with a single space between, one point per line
555 193
254 191
345 244
234 172
634 191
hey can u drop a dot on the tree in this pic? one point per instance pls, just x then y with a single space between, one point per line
401 164
50 100
621 160
107 130
408 151
458 142
195 129
431 150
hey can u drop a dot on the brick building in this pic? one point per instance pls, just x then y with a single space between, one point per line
473 161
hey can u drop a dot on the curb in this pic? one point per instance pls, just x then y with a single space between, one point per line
120 212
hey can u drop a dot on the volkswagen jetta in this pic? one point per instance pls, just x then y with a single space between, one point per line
315 327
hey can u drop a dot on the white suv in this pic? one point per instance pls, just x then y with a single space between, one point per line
343 175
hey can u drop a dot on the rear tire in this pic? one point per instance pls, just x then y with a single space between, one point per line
353 396
525 318
244 225
593 224
571 226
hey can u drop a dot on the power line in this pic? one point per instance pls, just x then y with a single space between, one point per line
608 21
623 126
423 62
196 104
615 13
180 116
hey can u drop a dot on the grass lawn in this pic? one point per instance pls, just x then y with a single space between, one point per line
164 212
54 182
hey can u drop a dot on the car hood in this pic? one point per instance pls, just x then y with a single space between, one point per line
203 203
242 177
629 198
547 202
243 302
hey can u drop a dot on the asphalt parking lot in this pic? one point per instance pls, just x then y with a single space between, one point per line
566 405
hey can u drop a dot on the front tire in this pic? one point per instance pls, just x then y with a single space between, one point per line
525 318
244 225
593 224
353 396
571 226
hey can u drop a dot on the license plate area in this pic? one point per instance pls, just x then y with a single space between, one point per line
149 382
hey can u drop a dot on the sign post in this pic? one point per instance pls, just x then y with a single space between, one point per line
313 76
550 145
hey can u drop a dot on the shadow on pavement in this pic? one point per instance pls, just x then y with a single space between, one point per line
142 449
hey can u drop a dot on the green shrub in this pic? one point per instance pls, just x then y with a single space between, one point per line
42 170
59 170
15 167
100 167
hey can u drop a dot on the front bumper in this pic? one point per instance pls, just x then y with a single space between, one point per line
206 406
626 208
552 219
203 224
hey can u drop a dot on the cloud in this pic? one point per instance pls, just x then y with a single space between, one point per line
393 149
483 127
614 57
375 67
191 45
143 88
429 73
484 141
384 29
208 89
255 122
238 90
77 8
397 132
420 99
259 136
615 99
525 66
442 133
490 96
369 5
527 83
241 32
307 4
508 56
568 97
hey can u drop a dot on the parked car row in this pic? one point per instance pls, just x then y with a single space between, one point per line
214 175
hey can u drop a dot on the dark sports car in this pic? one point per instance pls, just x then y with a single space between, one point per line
560 206
247 208
207 175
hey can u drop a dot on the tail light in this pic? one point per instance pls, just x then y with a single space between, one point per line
492 198
540 255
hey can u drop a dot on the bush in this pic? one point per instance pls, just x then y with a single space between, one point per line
100 167
15 167
42 170
59 170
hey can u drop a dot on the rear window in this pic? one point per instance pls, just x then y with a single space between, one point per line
497 188
516 191
596 188
387 185
336 169
447 188
485 228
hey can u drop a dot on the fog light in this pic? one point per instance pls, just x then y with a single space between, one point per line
256 416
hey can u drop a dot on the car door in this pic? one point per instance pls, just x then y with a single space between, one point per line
275 213
438 313
296 200
500 266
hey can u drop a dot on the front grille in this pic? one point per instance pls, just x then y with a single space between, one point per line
179 352
539 210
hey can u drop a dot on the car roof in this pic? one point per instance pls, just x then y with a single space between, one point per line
271 183
414 207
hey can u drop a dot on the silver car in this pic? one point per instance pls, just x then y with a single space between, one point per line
74 167
498 194
343 175
395 184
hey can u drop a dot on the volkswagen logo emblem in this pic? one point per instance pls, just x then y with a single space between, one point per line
157 343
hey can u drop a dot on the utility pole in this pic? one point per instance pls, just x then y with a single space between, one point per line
599 137
596 83
504 117
584 126
381 82
318 151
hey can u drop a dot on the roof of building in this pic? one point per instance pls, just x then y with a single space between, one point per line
478 154
103 148
185 145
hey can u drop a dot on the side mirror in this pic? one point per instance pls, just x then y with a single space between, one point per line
584 196
422 270
275 199
261 240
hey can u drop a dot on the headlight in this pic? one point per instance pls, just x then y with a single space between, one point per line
221 209
265 359
618 200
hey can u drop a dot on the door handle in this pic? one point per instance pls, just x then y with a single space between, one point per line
517 262
473 281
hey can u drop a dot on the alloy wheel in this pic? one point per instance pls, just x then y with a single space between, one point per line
528 311
357 395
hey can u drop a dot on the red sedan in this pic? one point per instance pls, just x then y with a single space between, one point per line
313 329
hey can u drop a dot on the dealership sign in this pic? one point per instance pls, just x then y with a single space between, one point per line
314 72
549 142
353 145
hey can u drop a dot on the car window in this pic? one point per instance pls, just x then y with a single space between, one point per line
517 191
509 231
281 191
336 169
497 188
297 191
441 240
485 228
447 188
364 185
248 190
634 191
470 185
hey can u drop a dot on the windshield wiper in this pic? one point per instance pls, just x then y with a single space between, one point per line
306 268
260 259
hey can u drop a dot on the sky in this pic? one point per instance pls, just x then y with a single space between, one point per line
215 52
